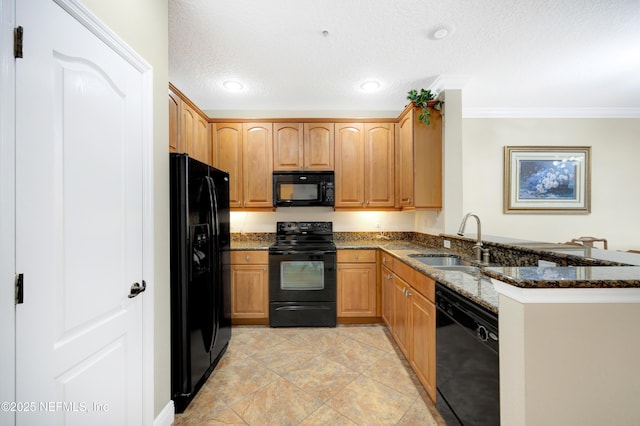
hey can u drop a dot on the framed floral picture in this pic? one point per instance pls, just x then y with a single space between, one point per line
547 179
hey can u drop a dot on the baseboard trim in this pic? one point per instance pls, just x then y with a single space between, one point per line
166 416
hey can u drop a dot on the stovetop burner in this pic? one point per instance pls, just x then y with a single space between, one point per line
304 236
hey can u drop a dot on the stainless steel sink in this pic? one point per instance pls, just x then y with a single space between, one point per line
439 261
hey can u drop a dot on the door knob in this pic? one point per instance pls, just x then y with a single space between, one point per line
136 289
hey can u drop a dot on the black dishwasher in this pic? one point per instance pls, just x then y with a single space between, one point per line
467 361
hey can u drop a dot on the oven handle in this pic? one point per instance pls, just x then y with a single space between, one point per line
302 308
296 252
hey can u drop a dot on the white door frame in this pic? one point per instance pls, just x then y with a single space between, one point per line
7 208
7 199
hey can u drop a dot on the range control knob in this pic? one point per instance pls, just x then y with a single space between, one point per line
482 333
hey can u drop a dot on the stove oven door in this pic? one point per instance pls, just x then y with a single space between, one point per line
302 288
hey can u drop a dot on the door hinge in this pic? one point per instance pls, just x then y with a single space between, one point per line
17 42
19 289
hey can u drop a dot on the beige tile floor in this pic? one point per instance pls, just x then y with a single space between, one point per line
348 375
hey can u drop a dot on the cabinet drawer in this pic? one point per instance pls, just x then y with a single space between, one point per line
356 256
425 286
386 260
249 257
404 271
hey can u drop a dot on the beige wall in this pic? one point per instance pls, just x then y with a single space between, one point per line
564 364
143 25
365 221
615 203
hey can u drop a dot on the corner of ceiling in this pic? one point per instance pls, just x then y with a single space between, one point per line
448 82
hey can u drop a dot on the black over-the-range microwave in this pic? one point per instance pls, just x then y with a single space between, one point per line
297 189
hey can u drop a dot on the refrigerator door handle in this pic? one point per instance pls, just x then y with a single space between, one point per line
214 206
215 255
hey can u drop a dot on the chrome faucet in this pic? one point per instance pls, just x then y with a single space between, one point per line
482 254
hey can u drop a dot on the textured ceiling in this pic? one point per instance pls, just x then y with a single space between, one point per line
510 57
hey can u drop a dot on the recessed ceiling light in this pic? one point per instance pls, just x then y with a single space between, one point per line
232 85
440 33
370 86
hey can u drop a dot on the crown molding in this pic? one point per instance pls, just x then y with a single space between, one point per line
449 82
551 112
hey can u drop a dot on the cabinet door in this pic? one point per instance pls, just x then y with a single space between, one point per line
249 291
386 281
356 290
257 167
175 104
401 305
379 179
349 160
228 146
200 145
405 160
187 126
318 146
422 352
287 146
428 154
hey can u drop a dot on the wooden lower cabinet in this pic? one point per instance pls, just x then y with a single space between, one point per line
386 288
422 341
357 294
409 311
249 287
401 303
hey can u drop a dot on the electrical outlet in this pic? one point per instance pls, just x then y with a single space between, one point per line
546 264
447 244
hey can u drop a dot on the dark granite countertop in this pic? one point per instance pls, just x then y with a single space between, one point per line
624 271
585 254
568 276
250 245
475 287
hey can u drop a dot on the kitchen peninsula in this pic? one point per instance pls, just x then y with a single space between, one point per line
568 334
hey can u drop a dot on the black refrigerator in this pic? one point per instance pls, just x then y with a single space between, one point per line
200 274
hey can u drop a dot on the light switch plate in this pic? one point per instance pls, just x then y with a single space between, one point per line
447 244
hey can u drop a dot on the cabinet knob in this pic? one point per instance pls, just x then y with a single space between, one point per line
247 258
389 277
357 255
384 260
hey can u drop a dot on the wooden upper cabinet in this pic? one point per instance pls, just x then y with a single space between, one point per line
319 146
245 151
349 163
404 160
201 142
189 129
228 156
175 105
419 160
288 146
364 165
298 146
257 168
379 170
428 162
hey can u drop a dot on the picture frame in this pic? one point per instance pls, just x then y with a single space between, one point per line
547 179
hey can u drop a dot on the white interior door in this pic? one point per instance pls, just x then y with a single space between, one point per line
79 207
